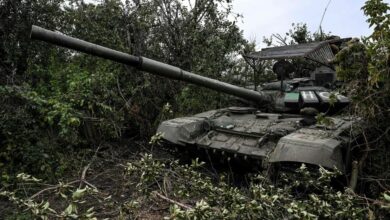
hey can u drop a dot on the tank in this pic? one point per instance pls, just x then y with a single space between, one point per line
284 123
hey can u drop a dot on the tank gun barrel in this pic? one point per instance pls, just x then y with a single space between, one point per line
145 64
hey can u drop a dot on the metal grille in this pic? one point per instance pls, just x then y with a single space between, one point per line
322 54
317 51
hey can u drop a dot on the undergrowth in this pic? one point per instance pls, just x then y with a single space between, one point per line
163 188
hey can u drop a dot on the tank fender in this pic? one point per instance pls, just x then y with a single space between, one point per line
182 131
310 146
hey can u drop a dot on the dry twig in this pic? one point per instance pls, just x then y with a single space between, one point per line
171 201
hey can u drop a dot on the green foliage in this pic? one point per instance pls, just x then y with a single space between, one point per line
193 100
57 105
202 40
189 191
15 49
352 62
323 120
378 43
298 34
58 101
69 198
28 142
368 64
386 200
365 68
304 195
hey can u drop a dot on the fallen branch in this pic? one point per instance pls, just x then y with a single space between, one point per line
84 172
354 175
53 188
81 181
171 201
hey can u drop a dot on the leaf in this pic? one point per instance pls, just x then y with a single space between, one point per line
46 206
90 209
63 195
68 210
79 193
371 215
74 216
387 197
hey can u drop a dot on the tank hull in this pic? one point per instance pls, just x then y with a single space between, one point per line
275 138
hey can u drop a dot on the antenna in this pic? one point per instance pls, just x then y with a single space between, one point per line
322 18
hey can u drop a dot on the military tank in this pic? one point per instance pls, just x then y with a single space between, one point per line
280 126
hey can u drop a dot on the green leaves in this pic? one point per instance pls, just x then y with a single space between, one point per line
27 178
322 119
79 193
304 194
377 13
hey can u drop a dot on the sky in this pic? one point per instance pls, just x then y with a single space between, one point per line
265 17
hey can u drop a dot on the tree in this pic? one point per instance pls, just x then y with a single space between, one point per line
57 100
368 70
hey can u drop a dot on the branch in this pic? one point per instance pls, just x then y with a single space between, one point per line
52 188
280 38
171 201
81 180
84 173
